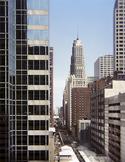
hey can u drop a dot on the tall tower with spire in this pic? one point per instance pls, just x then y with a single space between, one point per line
76 82
77 66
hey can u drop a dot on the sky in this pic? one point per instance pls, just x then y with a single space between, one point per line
93 21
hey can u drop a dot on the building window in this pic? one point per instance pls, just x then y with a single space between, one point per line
38 95
38 125
38 140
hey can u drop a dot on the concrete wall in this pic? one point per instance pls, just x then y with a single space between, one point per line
122 128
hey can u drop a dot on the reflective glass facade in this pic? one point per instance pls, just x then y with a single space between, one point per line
3 81
24 80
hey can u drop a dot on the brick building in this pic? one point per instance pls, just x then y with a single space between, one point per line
80 107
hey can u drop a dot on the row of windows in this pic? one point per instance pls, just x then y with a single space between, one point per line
120 42
21 125
33 155
38 155
2 10
120 49
2 43
120 22
21 156
21 94
38 125
21 140
40 5
120 45
22 110
35 50
114 118
2 109
38 50
21 34
38 79
21 49
38 35
114 111
38 110
21 64
37 19
120 14
2 93
31 4
33 140
31 34
2 60
2 76
38 140
32 20
38 64
21 79
21 4
38 95
21 19
119 55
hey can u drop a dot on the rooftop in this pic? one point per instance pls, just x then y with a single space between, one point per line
67 151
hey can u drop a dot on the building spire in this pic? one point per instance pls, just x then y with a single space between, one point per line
77 32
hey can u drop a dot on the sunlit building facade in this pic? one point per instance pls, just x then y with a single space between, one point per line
77 66
104 66
119 35
25 80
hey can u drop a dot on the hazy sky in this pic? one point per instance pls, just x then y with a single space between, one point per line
94 21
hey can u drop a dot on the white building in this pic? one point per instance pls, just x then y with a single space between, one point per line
104 66
119 35
115 121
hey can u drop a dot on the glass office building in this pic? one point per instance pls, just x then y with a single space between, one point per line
24 81
4 81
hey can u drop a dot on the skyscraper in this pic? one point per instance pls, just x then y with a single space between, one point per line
77 79
119 35
24 81
104 66
77 66
4 81
51 85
